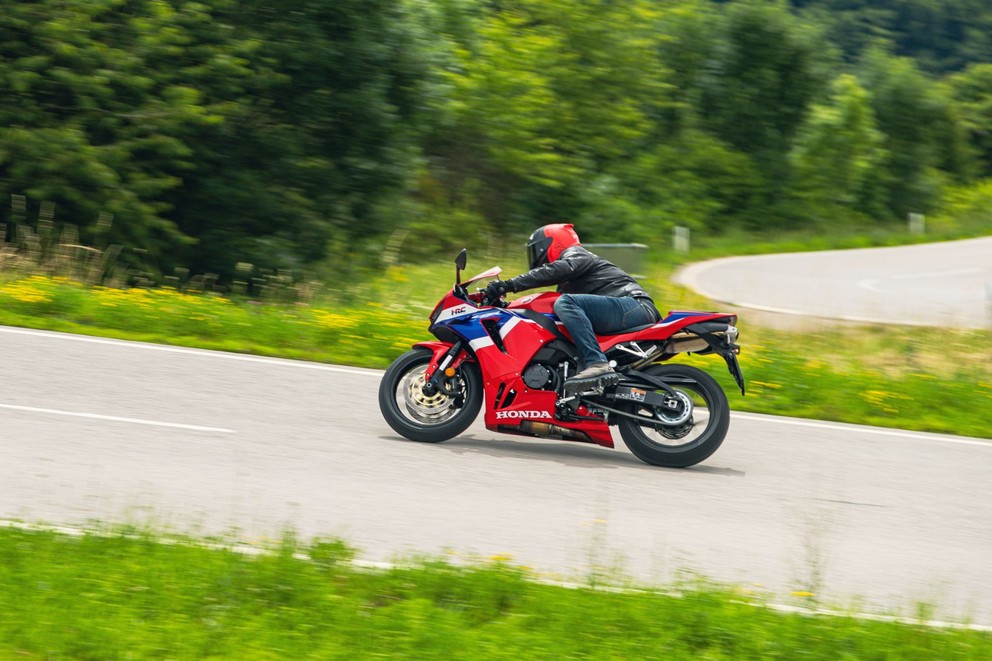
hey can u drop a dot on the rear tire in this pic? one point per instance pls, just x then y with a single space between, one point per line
688 444
416 416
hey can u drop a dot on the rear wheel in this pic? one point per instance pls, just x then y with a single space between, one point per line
668 439
428 418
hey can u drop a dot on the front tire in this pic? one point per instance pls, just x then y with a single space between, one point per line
414 415
691 442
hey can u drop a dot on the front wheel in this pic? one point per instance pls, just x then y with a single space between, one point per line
655 440
419 417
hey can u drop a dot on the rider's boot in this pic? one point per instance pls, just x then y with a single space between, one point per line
593 377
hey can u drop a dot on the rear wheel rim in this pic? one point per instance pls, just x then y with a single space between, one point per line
687 434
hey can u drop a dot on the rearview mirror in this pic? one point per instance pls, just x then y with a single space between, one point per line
460 263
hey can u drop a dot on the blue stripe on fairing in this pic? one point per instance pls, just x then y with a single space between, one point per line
470 327
675 316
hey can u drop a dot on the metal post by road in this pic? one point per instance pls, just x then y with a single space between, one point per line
680 239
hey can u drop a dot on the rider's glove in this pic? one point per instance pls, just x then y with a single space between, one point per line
496 289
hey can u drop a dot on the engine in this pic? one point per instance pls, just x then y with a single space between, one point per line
541 376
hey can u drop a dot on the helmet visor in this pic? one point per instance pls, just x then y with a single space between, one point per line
537 248
534 255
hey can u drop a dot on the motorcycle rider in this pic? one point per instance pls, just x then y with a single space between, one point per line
597 296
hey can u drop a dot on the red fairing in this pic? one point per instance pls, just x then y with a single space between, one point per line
532 407
543 302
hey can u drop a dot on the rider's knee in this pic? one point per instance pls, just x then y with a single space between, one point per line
564 302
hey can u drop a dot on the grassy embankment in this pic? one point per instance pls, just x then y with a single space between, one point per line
132 596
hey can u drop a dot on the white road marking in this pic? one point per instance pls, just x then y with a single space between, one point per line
861 429
183 350
114 418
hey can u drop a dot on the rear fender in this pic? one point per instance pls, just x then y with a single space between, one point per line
722 340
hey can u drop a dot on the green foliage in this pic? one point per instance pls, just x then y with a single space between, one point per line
219 132
972 89
941 36
769 67
549 96
320 138
923 144
965 207
89 122
838 154
214 132
131 594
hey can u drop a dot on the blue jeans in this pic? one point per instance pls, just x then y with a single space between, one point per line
586 315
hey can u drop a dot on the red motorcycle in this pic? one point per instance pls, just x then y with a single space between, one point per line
520 356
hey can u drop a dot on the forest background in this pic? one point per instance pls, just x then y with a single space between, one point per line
308 135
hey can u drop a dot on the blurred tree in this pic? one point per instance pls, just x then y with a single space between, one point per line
694 176
222 131
88 122
940 35
690 179
838 155
766 69
552 94
321 141
972 89
924 143
265 135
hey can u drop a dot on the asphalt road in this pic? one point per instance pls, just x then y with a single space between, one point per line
934 284
209 442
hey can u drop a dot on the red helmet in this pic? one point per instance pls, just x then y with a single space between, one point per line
547 243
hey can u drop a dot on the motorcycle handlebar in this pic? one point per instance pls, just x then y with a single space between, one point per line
486 301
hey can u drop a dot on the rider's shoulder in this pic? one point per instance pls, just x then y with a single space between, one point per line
576 252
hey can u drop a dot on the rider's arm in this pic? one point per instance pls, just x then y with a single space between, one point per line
571 264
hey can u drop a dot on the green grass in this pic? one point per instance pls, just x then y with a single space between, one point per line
128 595
368 335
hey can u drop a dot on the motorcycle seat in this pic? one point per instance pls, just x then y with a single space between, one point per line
635 329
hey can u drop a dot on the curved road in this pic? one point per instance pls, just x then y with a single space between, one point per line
934 284
211 442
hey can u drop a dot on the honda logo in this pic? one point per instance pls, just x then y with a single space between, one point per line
502 415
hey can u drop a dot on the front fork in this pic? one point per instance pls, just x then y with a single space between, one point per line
442 371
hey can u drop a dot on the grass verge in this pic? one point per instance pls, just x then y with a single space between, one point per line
130 595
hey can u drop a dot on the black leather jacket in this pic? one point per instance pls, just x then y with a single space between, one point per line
578 271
